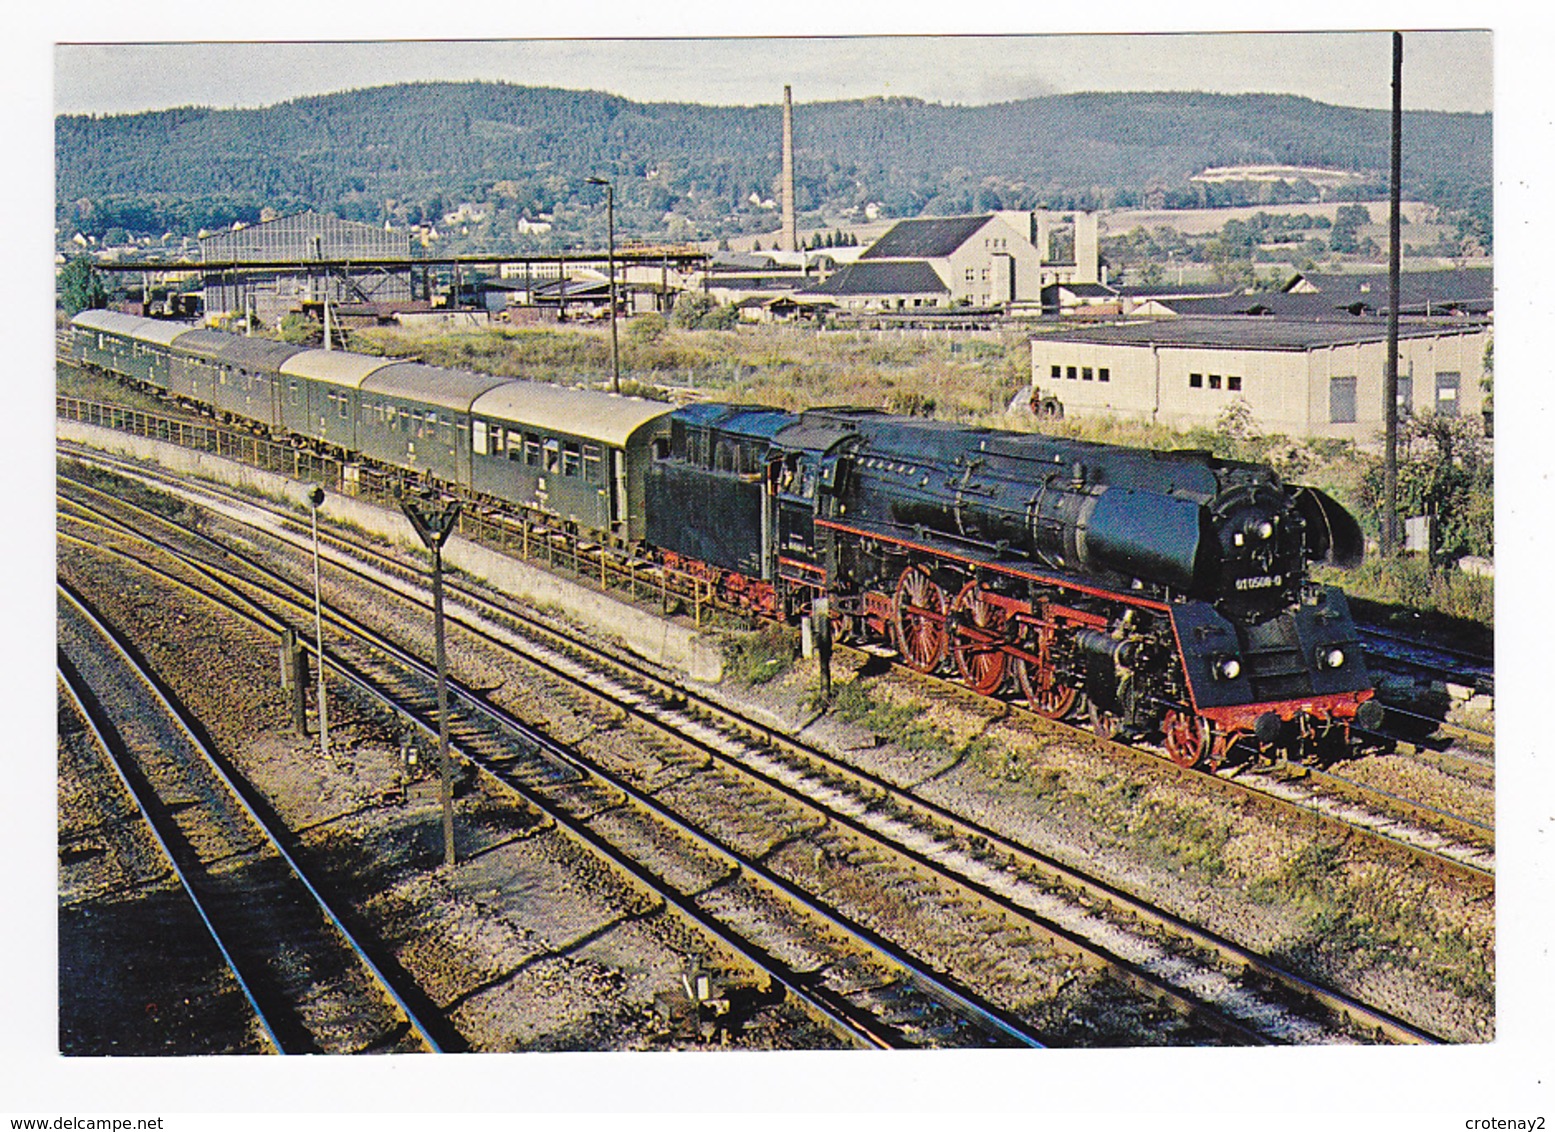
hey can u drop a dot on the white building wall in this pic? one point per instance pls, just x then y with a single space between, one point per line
1288 391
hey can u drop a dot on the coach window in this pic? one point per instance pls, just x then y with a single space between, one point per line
532 449
592 463
572 459
345 406
1341 400
553 456
1195 381
1447 394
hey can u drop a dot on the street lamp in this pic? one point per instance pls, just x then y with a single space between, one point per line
610 222
434 523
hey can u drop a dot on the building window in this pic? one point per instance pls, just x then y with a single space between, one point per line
1085 374
1195 381
1234 383
1447 394
1072 373
1341 400
1058 372
1103 374
1214 381
1406 394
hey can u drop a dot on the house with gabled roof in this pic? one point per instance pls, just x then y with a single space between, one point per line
993 259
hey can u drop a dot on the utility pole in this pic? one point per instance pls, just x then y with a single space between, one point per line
610 222
1390 540
433 526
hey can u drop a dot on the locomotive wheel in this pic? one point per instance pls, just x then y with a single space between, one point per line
920 620
1221 746
1044 694
1185 737
1103 722
982 665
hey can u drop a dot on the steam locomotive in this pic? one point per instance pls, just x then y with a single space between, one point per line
1160 595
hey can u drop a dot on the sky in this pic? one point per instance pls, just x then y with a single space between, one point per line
1443 70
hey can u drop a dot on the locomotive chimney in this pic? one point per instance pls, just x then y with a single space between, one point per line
788 241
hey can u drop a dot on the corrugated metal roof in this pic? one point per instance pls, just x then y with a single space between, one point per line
932 238
606 417
896 277
334 367
1250 333
431 385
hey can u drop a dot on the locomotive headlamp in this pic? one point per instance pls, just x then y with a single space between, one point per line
1331 658
1228 668
1264 530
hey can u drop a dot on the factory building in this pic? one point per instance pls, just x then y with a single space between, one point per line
1312 379
1002 259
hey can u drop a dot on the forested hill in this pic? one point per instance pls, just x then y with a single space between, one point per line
406 154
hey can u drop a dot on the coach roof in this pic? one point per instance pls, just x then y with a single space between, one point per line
606 417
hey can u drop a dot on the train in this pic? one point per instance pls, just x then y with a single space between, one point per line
1160 596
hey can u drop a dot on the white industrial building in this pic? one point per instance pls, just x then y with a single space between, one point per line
1297 379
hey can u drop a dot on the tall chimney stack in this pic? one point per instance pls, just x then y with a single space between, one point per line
789 240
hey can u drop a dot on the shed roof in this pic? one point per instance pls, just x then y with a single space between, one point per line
606 417
929 238
893 277
431 385
334 367
1244 333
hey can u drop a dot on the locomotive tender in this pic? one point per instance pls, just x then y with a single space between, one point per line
1162 594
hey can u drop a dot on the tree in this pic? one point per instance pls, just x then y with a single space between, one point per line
80 288
1344 238
1445 471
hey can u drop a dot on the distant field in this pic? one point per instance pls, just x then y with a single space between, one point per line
1203 221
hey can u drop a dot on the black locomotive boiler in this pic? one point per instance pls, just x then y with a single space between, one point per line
1162 594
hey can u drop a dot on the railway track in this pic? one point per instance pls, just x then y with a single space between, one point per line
997 872
314 986
841 971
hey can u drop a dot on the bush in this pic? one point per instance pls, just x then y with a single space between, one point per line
647 329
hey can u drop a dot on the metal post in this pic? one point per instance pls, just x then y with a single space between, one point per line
610 226
445 767
316 500
1390 540
433 528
